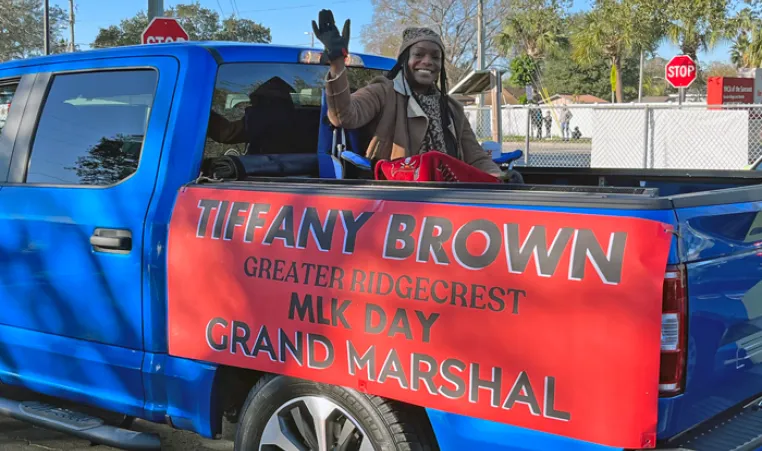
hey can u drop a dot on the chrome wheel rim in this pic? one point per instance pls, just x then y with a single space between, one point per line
313 423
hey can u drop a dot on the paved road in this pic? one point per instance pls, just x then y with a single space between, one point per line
19 436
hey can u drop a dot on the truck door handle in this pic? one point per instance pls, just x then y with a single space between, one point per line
111 240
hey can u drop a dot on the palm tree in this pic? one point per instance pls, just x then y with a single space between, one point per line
696 25
534 28
614 29
746 51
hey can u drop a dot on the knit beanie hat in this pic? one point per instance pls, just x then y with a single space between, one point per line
412 36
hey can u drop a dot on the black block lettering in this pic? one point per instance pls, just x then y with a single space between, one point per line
322 234
457 381
435 232
493 385
400 325
460 251
358 362
337 313
400 231
312 361
234 219
351 227
219 223
608 266
522 393
301 308
254 221
240 340
206 206
295 348
426 323
546 259
418 374
369 327
282 227
392 368
264 344
223 344
550 402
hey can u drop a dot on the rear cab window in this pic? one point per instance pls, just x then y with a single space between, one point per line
7 91
270 108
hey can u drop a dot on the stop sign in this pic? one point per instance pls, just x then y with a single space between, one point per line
164 29
680 71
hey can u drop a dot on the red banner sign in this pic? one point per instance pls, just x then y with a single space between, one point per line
549 321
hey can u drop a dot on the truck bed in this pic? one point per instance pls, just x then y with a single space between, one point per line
718 236
624 187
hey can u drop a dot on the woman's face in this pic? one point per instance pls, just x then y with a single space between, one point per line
425 63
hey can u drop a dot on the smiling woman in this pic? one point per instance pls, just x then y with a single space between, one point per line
409 109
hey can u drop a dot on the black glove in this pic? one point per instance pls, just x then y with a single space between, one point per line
336 45
511 176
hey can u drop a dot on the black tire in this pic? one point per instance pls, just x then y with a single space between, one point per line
389 425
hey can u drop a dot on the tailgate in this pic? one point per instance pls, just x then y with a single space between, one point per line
721 241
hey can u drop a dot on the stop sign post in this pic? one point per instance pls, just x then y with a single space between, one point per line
164 30
680 72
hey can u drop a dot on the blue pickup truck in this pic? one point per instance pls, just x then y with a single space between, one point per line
96 146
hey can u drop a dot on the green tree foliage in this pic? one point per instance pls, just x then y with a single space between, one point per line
524 71
746 51
697 25
613 31
202 24
535 28
21 29
562 75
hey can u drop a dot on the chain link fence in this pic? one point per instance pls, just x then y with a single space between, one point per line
658 136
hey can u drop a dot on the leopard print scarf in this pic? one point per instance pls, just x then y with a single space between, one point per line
435 134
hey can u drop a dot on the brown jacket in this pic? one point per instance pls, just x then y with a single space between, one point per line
382 105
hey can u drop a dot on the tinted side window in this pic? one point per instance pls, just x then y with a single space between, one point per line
92 127
6 96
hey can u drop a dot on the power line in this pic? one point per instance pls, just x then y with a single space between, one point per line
234 6
222 13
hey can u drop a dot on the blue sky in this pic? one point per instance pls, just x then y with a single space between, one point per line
288 19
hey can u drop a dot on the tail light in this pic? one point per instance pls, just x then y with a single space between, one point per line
673 332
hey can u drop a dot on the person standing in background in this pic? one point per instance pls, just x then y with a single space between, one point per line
566 116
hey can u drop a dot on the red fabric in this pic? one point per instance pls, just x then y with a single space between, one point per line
431 167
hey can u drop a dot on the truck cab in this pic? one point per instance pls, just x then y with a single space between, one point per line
94 147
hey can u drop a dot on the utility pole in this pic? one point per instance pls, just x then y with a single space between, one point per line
155 9
71 25
480 35
46 26
479 53
640 79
